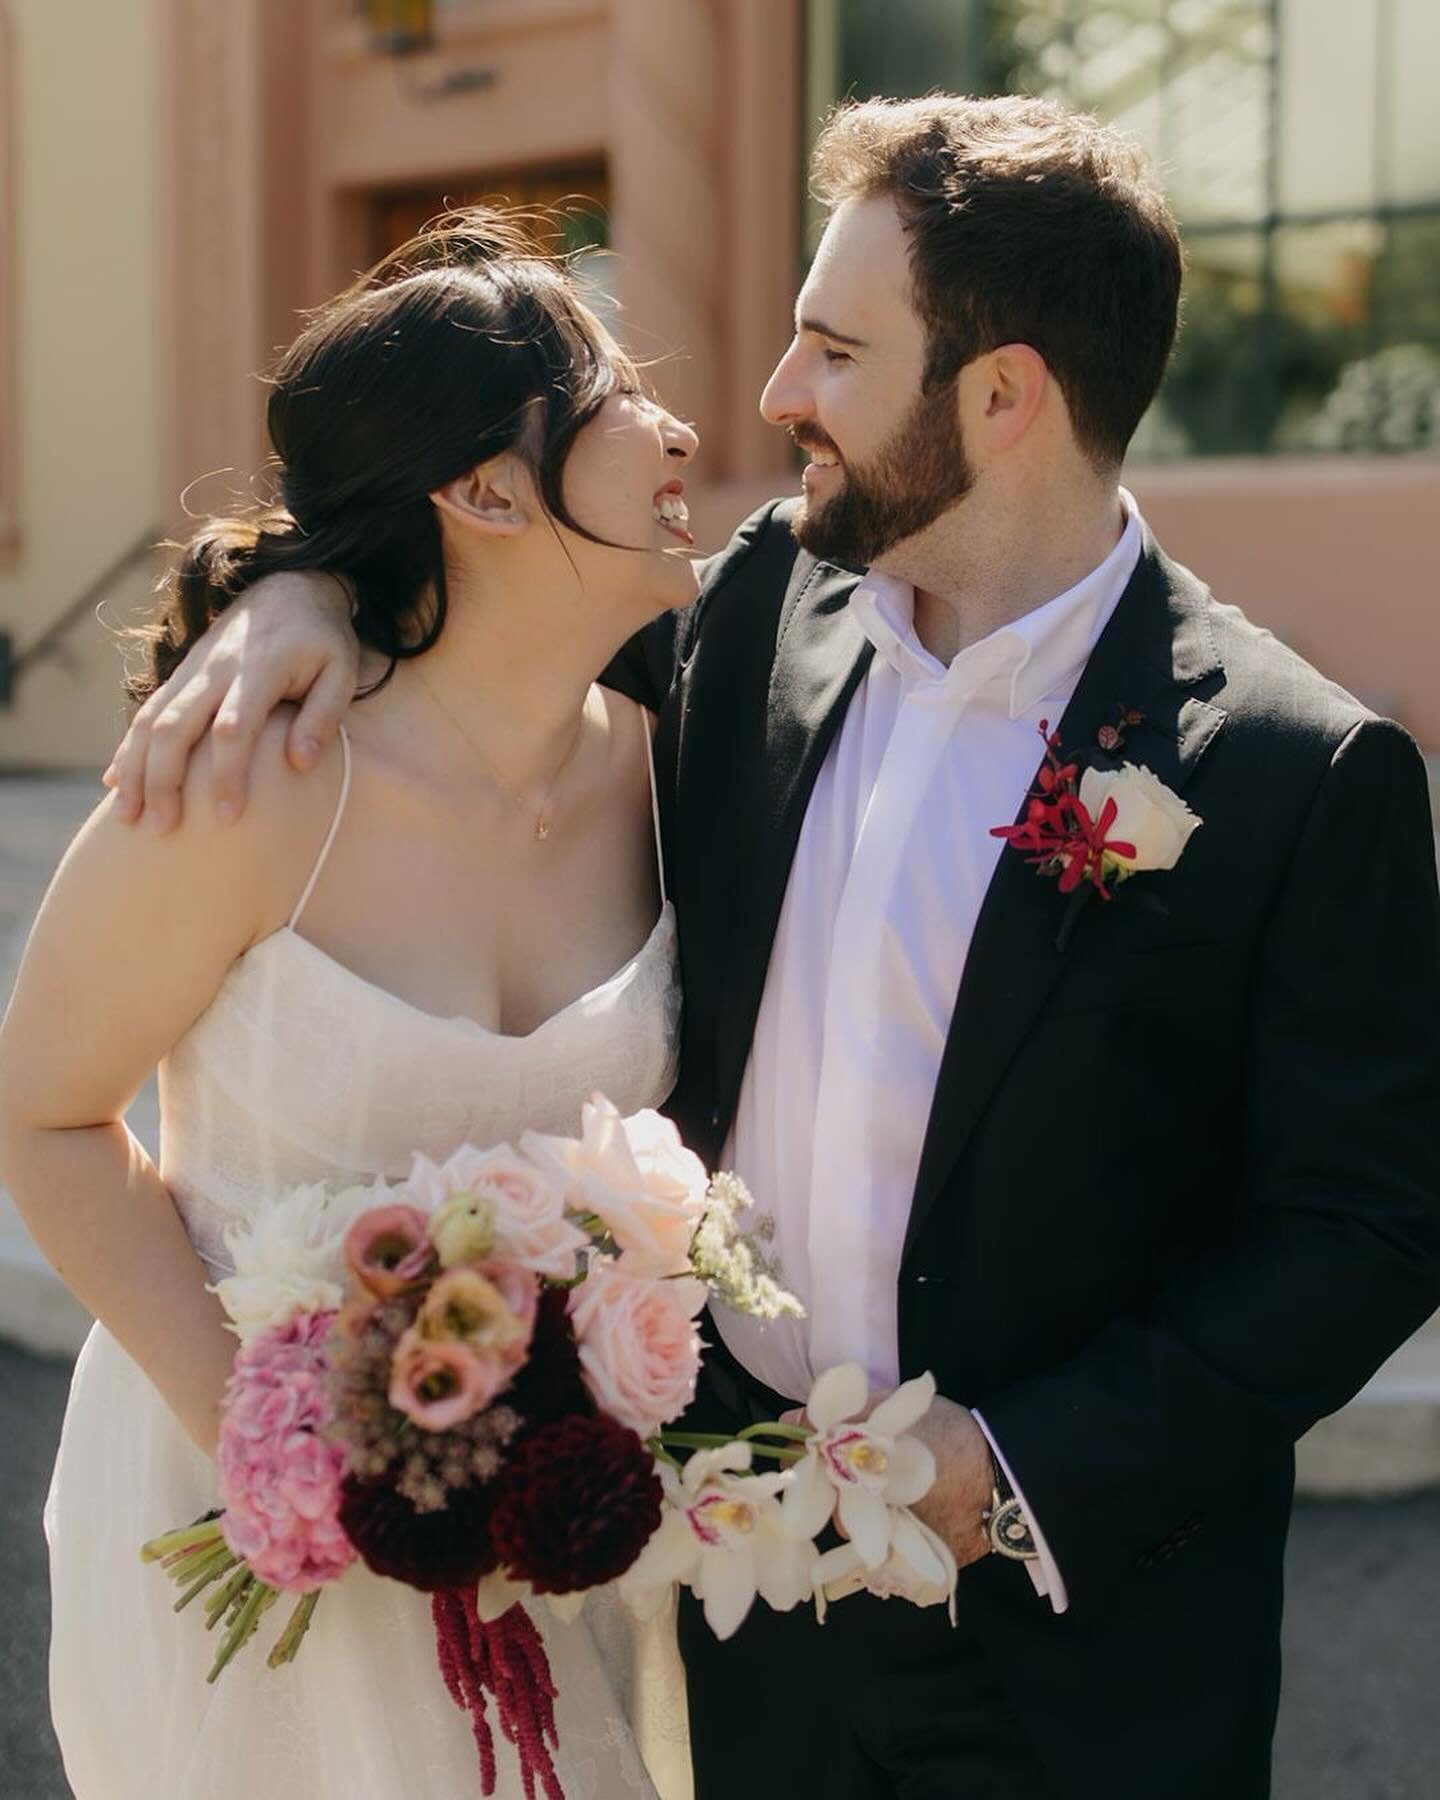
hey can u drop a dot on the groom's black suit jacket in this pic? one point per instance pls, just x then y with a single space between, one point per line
1180 1190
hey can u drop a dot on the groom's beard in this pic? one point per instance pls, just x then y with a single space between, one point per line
918 473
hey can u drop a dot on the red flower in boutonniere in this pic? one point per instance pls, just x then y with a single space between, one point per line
1118 822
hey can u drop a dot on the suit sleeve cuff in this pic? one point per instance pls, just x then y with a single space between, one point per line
1044 1571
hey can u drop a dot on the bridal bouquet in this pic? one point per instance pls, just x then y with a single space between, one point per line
468 1381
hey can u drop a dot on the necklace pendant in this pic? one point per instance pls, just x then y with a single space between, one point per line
542 830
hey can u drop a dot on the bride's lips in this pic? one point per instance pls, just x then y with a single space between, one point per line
671 512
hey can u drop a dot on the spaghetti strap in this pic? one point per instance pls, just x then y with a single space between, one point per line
304 899
654 801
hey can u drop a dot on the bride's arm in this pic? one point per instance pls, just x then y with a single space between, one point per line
132 942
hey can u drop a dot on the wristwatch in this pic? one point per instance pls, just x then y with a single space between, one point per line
1004 1520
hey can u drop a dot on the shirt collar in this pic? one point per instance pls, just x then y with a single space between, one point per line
1035 653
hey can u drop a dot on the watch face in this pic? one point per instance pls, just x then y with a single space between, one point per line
1010 1531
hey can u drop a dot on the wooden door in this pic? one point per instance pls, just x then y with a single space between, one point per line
576 197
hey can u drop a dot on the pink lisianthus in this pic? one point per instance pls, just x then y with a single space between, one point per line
488 1305
440 1382
388 1249
639 1346
279 1474
469 1338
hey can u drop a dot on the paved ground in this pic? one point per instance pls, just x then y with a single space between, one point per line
1361 1715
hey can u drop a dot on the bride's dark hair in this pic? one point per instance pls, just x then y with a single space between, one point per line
465 342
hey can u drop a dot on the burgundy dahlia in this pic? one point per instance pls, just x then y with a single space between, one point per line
577 1503
448 1548
549 1386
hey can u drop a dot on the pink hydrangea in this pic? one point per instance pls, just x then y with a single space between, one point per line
279 1474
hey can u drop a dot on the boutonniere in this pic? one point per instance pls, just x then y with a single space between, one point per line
1121 820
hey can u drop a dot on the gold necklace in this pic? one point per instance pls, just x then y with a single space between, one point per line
542 823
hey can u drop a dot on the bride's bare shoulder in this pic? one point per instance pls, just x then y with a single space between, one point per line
256 862
280 799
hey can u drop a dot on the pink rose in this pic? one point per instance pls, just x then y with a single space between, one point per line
387 1249
498 1203
638 1178
639 1347
441 1382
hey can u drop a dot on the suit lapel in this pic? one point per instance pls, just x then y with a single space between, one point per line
1157 649
820 656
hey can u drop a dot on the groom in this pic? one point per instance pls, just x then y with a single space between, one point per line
1146 1171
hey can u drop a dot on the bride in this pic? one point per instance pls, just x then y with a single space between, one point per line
450 929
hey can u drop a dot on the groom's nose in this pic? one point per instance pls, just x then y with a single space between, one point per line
787 397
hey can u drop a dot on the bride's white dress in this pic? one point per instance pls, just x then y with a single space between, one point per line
300 1070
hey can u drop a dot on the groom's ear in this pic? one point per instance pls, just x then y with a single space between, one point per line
1006 389
493 498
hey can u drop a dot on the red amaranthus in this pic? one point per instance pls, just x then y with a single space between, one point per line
504 1658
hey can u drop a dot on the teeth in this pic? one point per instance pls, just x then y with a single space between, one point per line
823 459
670 509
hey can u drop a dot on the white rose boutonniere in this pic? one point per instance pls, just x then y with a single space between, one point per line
1150 818
1097 828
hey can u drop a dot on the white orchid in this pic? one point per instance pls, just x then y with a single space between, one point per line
920 1568
289 1255
865 1471
721 1533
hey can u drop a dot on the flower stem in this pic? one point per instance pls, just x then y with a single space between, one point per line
800 1434
287 1645
219 1602
203 1533
714 1440
257 1601
218 1563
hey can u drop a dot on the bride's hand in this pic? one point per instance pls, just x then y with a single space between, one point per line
287 638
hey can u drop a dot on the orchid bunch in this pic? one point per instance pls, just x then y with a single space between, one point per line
731 1535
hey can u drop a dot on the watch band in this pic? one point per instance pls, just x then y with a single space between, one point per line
1006 1526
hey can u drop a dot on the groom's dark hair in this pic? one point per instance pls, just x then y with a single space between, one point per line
1028 224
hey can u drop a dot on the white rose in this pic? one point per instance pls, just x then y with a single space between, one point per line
1148 815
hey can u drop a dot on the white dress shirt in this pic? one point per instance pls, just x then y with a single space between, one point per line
894 858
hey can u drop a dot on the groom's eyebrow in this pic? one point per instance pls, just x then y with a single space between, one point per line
821 329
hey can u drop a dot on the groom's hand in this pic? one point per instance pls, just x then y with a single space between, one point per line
253 658
955 1505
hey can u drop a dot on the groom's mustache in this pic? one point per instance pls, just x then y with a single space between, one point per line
809 437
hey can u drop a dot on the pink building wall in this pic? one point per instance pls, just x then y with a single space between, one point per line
282 121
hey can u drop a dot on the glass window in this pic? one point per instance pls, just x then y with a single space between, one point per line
1299 143
910 47
1213 94
1409 115
1327 79
1217 396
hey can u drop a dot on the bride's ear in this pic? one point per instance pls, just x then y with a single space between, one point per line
493 498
